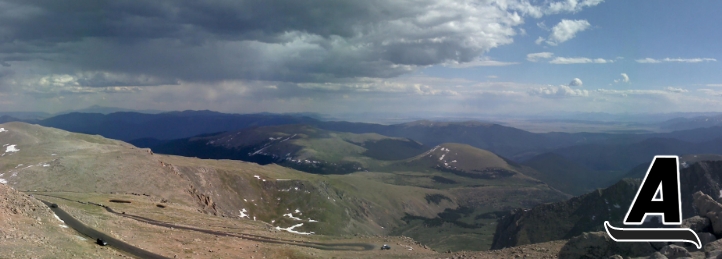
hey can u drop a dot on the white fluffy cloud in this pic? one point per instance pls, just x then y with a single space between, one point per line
564 31
677 60
579 60
558 91
534 57
576 82
624 79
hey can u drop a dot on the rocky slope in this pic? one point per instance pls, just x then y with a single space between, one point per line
707 223
29 229
585 213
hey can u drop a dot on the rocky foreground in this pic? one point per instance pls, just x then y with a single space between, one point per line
29 229
707 224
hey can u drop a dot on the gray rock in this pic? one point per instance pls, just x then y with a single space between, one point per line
599 245
697 224
658 245
713 246
706 237
705 204
615 257
674 252
657 255
713 254
711 209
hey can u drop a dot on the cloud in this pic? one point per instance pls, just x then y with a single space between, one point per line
568 6
565 30
710 92
274 40
539 40
481 62
675 90
534 57
576 82
624 79
677 60
579 60
557 92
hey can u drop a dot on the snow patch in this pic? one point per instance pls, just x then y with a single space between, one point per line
290 215
56 216
442 157
3 181
11 148
3 130
243 214
290 229
257 177
297 211
310 220
63 226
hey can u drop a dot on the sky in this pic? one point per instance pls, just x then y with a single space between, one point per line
374 56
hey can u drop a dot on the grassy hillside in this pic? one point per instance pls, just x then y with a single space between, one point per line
419 196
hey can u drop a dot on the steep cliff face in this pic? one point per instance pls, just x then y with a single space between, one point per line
563 220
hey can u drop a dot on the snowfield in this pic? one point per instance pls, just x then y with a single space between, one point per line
290 215
11 148
243 214
290 229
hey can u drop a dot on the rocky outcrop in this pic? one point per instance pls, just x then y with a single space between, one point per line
205 201
599 245
588 212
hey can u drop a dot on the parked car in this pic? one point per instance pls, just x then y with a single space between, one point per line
385 247
101 242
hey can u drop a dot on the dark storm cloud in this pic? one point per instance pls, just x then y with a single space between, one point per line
277 40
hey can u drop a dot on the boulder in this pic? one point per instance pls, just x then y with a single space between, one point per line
709 208
697 224
658 245
615 257
706 238
713 246
657 255
599 245
705 204
674 252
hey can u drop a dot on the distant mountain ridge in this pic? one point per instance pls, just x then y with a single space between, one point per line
164 126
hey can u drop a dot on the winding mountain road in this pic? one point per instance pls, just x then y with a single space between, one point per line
94 234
